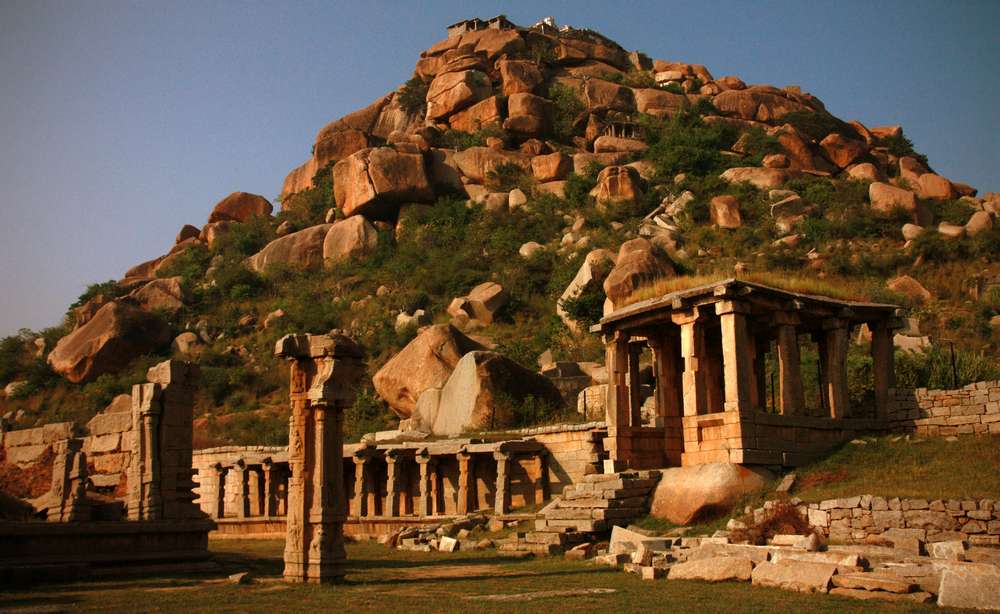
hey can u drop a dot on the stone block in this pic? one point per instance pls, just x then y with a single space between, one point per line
948 550
23 437
854 593
970 585
26 455
799 576
447 544
104 443
715 569
874 582
819 518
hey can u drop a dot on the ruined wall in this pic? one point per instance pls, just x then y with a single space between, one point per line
109 446
28 446
866 517
575 450
941 413
203 460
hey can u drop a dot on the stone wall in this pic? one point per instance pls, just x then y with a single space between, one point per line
203 460
109 446
27 446
941 413
867 518
575 450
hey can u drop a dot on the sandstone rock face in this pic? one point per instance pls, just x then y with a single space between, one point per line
117 334
688 494
519 76
715 569
301 249
658 102
240 207
374 182
866 171
478 116
909 287
527 114
725 211
165 294
841 150
980 221
594 269
551 167
886 199
617 184
639 263
354 237
335 146
426 362
762 178
481 390
450 92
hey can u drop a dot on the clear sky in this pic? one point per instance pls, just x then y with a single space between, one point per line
122 121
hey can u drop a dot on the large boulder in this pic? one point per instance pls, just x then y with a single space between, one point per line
762 178
910 288
347 239
476 162
758 103
841 150
617 184
519 76
484 113
592 272
639 263
240 207
337 145
301 249
166 294
725 211
375 182
117 334
551 167
689 494
454 91
930 185
485 391
426 362
659 102
887 199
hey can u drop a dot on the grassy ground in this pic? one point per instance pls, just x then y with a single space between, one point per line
922 468
386 580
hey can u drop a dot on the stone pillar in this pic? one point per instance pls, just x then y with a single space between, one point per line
791 397
267 467
242 489
392 490
502 504
160 473
634 386
215 491
324 372
361 463
737 355
692 351
540 476
465 477
617 406
835 367
426 463
69 483
883 366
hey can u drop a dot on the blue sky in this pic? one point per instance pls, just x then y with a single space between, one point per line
122 121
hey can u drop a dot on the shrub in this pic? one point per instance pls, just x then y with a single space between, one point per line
567 110
456 139
782 518
413 96
686 144
587 308
673 87
900 146
932 368
366 415
507 176
817 124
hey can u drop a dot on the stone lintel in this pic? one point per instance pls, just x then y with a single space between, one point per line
336 344
724 307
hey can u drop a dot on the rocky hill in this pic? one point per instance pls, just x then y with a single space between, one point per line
468 227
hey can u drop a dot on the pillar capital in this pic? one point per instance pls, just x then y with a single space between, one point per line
729 306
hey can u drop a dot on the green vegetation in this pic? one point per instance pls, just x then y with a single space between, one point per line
413 96
932 368
900 146
818 124
897 467
456 139
686 144
383 580
568 109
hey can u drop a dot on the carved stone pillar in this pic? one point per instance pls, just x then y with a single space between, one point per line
791 397
361 468
324 372
242 489
269 497
464 478
737 358
617 405
426 463
835 367
883 366
217 498
392 490
693 352
502 503
634 386
69 483
160 473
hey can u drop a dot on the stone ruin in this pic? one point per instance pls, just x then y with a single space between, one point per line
157 522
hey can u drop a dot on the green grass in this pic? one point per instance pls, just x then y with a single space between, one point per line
924 469
383 580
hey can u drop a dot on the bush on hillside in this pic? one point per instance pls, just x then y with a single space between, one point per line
686 144
932 368
568 109
413 96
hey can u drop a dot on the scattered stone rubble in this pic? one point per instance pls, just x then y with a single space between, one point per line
452 536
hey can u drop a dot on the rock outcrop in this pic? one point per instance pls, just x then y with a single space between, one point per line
117 334
375 182
688 494
300 249
240 207
347 239
639 263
